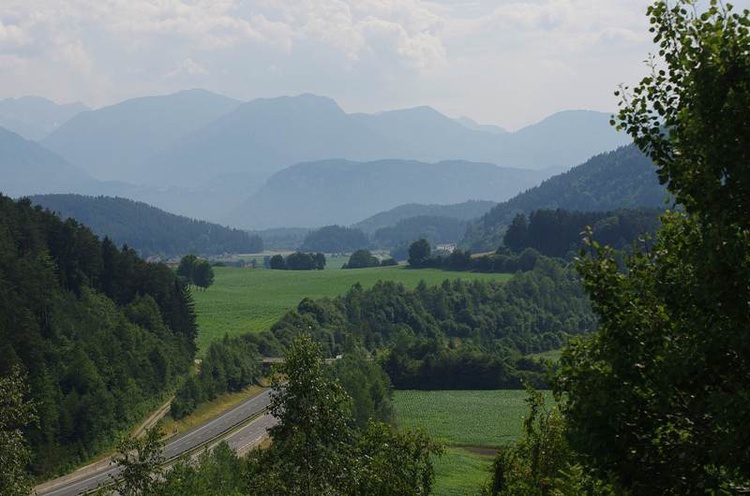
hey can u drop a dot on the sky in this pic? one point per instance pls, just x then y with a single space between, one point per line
504 62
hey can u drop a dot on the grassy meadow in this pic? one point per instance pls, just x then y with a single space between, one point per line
246 300
472 425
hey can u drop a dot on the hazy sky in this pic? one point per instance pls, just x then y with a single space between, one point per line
506 62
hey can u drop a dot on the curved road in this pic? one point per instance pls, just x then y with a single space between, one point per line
240 440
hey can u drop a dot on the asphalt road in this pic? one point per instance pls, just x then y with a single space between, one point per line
241 441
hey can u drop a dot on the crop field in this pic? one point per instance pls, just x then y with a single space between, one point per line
460 472
246 300
472 424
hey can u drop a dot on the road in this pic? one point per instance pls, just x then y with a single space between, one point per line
241 440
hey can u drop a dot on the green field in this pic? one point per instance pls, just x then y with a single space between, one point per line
472 424
246 300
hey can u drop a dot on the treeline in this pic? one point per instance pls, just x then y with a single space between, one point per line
101 333
438 230
229 365
335 239
460 335
503 262
149 230
318 446
298 261
338 239
556 233
362 259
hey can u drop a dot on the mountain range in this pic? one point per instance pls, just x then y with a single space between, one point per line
343 192
27 168
35 117
203 155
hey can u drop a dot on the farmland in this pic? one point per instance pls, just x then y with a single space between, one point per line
472 425
246 300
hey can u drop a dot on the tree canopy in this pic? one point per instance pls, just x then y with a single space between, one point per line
100 332
659 399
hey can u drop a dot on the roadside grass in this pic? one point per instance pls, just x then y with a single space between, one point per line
472 425
207 411
246 300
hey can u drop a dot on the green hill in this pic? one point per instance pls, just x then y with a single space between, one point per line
468 210
149 230
102 334
624 178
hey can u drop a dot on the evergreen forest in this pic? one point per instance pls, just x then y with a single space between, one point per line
101 334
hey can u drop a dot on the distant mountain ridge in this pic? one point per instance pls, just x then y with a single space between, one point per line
343 192
34 117
204 155
624 178
147 229
108 142
27 168
264 136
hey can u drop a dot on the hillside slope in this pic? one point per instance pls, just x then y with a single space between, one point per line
465 211
35 117
27 167
343 192
108 142
624 178
102 334
147 229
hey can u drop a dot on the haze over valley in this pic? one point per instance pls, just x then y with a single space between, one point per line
210 157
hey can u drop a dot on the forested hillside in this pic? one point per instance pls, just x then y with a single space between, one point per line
149 230
556 233
460 335
624 178
468 210
437 230
101 333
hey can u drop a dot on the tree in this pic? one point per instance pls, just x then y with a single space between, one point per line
203 274
515 236
16 412
317 448
419 253
312 439
361 259
659 398
277 262
140 462
186 267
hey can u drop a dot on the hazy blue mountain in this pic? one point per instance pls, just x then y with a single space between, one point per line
109 142
27 168
342 192
468 210
624 178
265 135
472 124
569 137
426 134
147 229
34 117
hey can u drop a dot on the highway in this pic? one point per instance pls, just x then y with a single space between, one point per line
241 440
